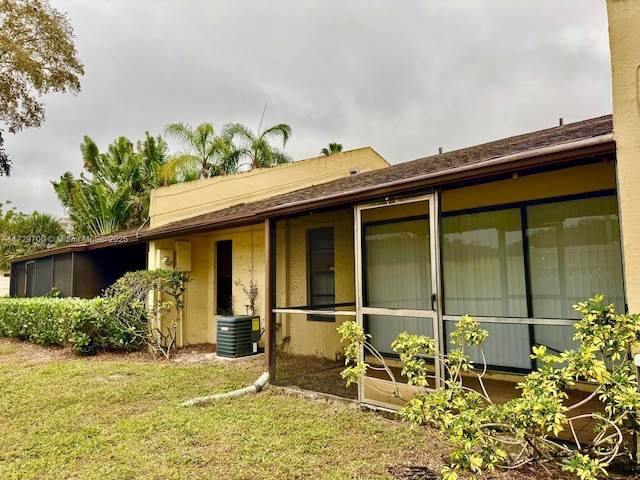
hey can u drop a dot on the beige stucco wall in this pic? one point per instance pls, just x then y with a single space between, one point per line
4 284
624 41
198 324
295 332
185 200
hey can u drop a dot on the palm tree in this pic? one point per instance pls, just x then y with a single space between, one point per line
256 148
204 152
333 148
26 233
94 208
117 193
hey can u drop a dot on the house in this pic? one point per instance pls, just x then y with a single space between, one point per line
512 232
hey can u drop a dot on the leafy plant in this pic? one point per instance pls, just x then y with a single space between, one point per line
128 317
251 291
57 321
81 343
486 435
114 191
138 307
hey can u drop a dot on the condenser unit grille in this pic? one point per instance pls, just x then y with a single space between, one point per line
237 336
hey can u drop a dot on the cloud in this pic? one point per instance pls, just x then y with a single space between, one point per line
404 78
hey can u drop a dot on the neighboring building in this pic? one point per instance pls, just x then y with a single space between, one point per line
77 270
624 40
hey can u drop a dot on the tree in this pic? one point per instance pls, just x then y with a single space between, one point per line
138 307
204 154
5 162
22 234
333 148
37 56
117 193
256 148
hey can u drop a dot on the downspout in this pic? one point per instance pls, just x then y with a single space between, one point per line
255 388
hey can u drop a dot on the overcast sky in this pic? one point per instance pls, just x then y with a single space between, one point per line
404 77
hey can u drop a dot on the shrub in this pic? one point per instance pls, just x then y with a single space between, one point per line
137 307
122 319
45 320
487 435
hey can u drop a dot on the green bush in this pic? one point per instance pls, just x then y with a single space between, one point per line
486 435
137 306
122 319
39 320
60 321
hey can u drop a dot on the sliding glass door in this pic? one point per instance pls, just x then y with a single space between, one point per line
397 267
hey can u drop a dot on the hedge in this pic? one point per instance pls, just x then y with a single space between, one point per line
85 324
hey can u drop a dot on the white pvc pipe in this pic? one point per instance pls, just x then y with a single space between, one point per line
256 387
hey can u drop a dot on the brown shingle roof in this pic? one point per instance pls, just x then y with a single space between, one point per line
564 139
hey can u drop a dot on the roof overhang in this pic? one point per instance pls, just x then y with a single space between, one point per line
113 241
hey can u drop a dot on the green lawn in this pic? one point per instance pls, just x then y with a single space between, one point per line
119 418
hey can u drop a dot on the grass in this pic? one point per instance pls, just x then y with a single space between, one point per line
66 418
119 417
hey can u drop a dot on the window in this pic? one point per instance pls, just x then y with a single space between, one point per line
397 264
574 253
532 260
483 264
397 275
321 271
224 276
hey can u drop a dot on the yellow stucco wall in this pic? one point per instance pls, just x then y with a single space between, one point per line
185 200
295 332
624 41
569 181
198 325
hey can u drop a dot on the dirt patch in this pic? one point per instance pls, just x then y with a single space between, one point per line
413 473
313 373
206 353
12 350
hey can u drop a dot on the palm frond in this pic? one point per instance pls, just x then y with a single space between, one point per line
281 130
177 165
